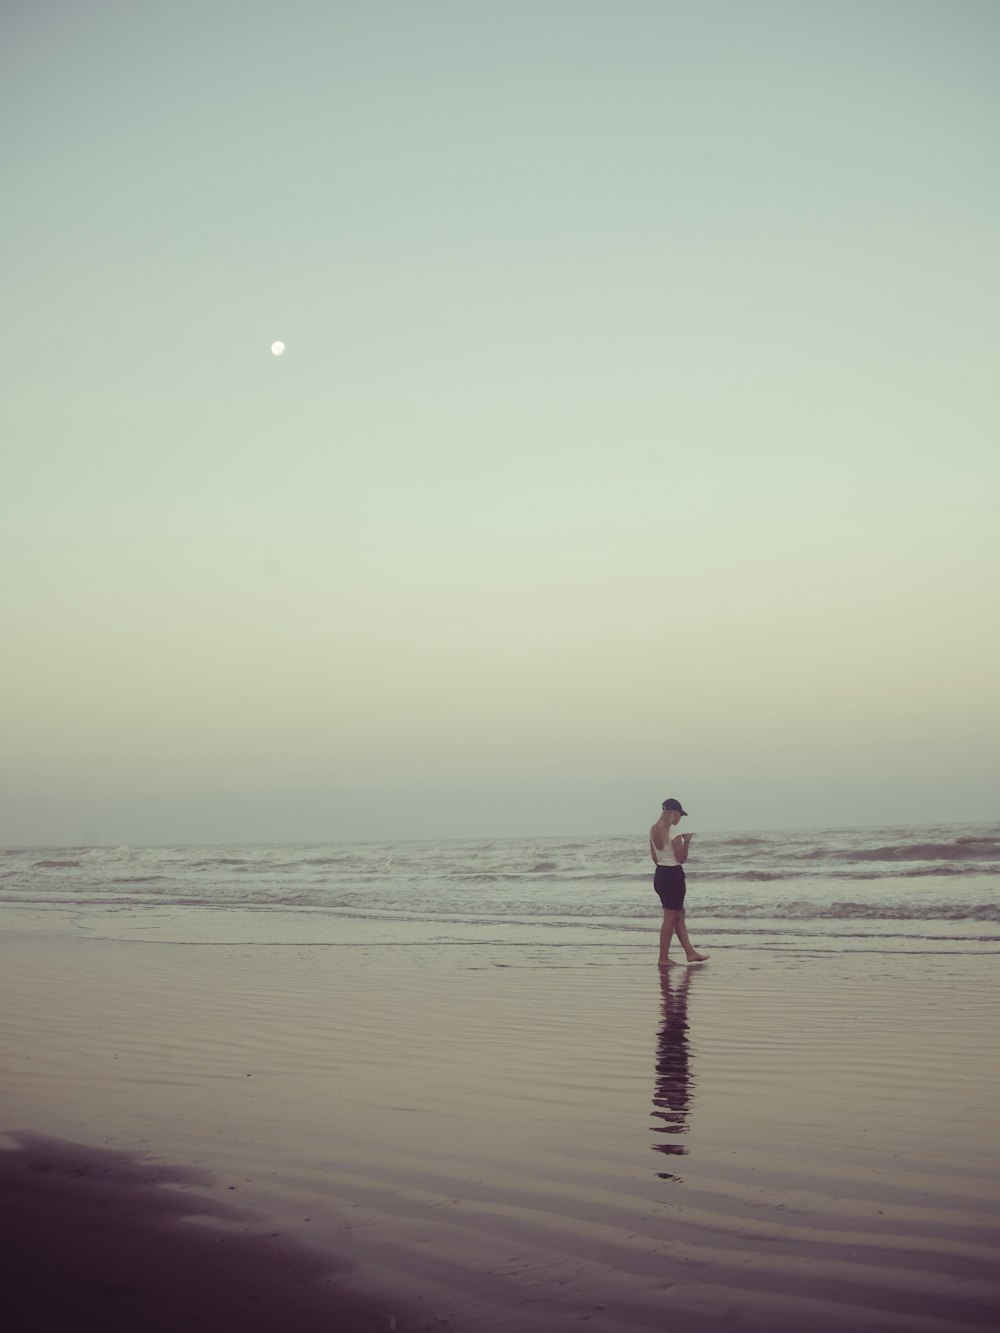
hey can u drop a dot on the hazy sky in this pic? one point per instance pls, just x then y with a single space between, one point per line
636 434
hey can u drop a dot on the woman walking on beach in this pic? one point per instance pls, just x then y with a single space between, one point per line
669 851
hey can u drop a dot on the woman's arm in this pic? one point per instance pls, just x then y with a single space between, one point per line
681 844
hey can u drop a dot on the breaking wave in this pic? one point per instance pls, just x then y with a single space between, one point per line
961 849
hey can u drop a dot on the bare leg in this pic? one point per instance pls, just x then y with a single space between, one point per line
693 956
666 935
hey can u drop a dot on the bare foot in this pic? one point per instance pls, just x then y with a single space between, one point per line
697 957
665 963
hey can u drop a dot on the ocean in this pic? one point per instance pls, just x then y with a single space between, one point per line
533 900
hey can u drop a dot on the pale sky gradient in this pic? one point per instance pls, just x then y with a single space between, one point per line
636 434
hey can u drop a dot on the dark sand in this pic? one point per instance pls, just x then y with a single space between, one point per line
93 1239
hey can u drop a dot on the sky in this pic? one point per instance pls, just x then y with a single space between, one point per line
636 434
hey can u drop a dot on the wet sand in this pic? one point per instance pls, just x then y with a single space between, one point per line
97 1239
421 1138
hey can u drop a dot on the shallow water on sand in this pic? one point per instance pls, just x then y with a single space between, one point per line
551 1133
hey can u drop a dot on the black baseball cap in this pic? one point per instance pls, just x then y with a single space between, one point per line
672 803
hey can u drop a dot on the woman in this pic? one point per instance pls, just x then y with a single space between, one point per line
669 851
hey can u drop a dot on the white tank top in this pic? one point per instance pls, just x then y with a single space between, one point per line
665 856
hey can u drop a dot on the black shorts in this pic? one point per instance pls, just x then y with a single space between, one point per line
670 887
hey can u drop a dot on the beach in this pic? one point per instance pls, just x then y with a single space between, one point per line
441 440
413 1129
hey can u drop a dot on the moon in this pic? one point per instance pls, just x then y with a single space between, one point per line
277 349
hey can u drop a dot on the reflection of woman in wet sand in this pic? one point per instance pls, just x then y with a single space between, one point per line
669 851
672 1094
